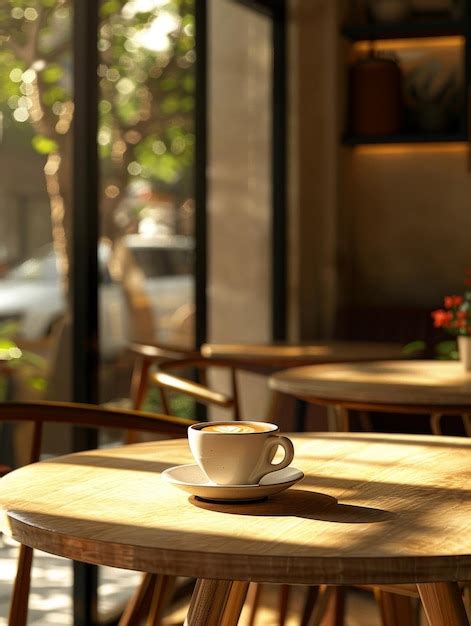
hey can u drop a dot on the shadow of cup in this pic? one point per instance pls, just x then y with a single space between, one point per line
300 503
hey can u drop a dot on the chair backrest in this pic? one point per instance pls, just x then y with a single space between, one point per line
166 381
147 354
87 415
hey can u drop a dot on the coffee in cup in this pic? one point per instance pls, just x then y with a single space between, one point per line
238 453
235 428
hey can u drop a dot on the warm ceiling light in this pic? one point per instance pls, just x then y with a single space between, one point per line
404 44
408 148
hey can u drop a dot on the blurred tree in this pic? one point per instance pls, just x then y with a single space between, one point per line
146 103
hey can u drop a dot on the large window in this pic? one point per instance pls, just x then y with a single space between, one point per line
146 145
145 245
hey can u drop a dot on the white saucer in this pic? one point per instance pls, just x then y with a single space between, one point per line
191 478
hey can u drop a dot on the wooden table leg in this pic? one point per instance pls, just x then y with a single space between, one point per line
235 603
163 590
443 604
325 598
139 603
216 603
312 593
395 609
283 603
253 601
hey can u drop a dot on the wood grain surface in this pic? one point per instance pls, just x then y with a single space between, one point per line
371 509
383 382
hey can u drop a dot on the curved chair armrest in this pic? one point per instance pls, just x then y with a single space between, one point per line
199 392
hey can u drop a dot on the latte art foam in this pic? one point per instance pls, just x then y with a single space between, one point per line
234 429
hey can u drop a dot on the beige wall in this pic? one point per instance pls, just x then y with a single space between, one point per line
410 217
239 200
313 178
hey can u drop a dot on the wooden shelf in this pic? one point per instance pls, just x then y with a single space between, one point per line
404 30
357 140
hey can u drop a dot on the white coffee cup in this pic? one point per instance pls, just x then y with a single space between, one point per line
238 453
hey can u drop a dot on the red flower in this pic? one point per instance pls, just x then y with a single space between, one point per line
461 315
451 301
441 318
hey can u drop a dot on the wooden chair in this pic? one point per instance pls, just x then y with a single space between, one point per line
85 416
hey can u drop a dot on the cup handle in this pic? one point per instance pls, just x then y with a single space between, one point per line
271 445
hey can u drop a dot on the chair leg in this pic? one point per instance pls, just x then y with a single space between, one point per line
139 384
138 606
467 599
335 614
253 601
18 615
395 609
324 599
312 595
283 603
163 590
216 603
443 604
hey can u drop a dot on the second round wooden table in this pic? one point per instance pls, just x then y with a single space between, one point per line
436 387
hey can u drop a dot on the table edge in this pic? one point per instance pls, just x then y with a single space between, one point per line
308 571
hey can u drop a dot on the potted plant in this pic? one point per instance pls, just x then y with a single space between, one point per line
455 318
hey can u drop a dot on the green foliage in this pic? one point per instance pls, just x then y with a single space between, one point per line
30 363
180 404
52 73
447 350
414 347
44 145
146 80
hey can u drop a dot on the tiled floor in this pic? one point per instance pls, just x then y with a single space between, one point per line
50 600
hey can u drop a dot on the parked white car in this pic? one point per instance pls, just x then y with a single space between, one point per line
31 293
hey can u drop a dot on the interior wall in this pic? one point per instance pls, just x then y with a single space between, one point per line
313 128
239 178
409 223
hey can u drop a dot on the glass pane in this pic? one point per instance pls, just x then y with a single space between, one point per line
146 141
36 111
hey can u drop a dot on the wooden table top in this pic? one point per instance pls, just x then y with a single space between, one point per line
382 382
403 513
282 355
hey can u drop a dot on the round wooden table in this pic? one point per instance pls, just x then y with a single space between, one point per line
381 382
371 509
434 387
